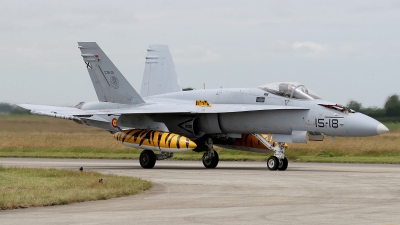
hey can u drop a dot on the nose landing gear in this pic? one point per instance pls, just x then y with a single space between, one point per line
278 161
283 164
274 163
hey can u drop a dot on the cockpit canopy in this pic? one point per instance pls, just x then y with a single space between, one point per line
289 90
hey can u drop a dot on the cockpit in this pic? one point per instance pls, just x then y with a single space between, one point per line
290 90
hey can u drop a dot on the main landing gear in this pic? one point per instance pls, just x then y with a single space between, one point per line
278 161
210 157
147 158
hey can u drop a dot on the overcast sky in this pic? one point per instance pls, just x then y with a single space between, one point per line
341 50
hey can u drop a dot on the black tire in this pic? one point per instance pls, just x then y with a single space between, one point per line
283 164
211 163
273 163
147 159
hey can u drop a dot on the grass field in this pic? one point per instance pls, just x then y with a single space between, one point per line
26 187
36 136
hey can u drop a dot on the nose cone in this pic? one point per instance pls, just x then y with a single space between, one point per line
360 125
381 129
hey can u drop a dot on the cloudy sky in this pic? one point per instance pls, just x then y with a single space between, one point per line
341 50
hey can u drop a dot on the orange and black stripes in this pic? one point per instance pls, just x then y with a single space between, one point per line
249 140
155 140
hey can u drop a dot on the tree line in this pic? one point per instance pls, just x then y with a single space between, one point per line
389 113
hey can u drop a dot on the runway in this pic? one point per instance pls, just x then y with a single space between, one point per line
185 192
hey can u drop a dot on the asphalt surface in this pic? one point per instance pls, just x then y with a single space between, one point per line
233 193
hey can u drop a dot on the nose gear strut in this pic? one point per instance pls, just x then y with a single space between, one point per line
278 161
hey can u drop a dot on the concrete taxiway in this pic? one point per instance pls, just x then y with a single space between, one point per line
233 193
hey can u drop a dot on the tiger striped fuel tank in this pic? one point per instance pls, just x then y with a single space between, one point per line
155 140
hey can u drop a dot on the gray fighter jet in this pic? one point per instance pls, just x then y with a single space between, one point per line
165 119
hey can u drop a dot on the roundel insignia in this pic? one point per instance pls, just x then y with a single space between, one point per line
114 122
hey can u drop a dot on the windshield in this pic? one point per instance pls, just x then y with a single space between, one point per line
289 90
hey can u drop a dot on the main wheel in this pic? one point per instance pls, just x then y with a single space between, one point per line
210 162
273 163
283 164
147 159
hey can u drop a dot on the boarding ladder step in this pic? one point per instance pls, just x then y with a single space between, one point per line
263 141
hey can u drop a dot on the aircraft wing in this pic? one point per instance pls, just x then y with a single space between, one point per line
233 108
53 109
156 109
72 111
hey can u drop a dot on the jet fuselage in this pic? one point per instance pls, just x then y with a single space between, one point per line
310 116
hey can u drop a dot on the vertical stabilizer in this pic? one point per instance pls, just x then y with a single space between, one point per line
110 85
159 75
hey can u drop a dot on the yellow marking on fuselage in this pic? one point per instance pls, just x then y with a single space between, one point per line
202 103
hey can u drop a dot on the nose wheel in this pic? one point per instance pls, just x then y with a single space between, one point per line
278 161
274 163
283 164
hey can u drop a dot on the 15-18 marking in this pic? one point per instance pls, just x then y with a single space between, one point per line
331 123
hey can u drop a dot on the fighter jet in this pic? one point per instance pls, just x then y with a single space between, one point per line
164 119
